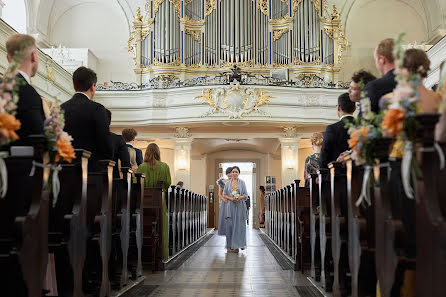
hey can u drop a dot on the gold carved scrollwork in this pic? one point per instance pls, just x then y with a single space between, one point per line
158 63
295 5
210 6
156 4
296 61
278 33
175 3
195 34
263 5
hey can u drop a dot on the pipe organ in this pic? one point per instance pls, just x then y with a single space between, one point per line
187 38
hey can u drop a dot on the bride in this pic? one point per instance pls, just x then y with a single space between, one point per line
236 212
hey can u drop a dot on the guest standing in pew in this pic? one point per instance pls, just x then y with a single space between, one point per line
336 137
312 161
129 137
262 206
132 154
385 63
355 90
29 108
156 171
87 121
120 152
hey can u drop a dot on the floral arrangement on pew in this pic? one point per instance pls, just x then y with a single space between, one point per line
59 147
400 110
365 134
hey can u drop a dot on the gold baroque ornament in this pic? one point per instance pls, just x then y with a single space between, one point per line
158 63
195 34
263 5
239 64
278 33
234 100
210 6
296 61
156 5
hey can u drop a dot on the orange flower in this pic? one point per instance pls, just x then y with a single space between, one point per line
357 136
393 121
8 125
65 151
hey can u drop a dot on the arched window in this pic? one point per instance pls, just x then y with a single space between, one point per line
14 13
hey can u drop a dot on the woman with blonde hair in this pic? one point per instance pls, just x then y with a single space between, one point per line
156 171
132 155
312 161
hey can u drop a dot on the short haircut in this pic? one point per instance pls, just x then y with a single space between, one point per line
20 42
363 76
347 106
385 48
129 134
228 170
109 116
262 188
317 138
83 79
416 62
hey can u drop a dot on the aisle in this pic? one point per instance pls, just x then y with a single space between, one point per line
213 272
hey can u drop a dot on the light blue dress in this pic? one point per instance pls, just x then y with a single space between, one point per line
221 216
236 216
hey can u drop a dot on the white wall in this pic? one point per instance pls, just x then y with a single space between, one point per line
104 31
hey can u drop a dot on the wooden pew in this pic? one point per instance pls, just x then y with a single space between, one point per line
120 229
325 229
24 224
67 232
136 226
152 226
360 230
339 229
430 216
99 222
302 204
314 229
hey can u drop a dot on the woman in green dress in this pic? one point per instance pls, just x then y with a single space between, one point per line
156 171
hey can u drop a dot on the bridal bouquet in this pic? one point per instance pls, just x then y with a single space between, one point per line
59 147
236 195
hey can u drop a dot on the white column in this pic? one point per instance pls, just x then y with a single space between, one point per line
290 151
182 149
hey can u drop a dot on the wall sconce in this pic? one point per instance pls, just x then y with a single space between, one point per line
182 164
289 163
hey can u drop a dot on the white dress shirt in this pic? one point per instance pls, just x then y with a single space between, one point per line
25 76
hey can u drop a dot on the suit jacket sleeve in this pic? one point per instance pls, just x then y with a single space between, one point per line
328 144
123 153
139 158
102 132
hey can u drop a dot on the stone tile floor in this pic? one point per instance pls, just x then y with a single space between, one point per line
211 271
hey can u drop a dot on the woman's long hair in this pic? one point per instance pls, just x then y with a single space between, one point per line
152 155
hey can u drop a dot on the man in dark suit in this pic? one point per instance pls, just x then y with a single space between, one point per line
87 121
385 63
29 108
336 137
120 151
129 136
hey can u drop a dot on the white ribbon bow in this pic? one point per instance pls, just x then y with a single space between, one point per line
55 177
3 175
365 192
406 165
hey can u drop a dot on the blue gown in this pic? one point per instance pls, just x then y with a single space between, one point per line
236 216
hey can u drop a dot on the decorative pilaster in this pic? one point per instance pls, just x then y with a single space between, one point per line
182 149
289 149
